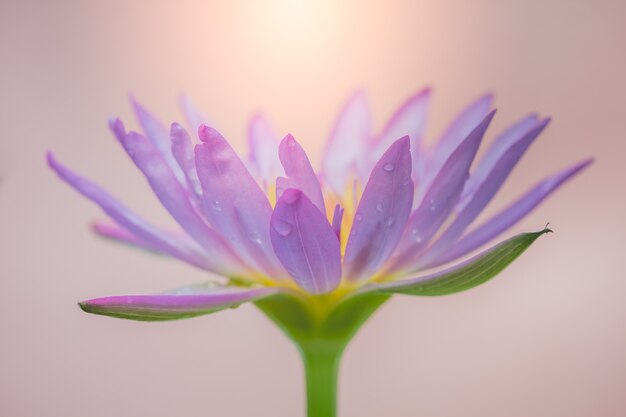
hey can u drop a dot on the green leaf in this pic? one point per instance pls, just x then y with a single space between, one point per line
469 274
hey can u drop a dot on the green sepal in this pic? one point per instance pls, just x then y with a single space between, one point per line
147 315
320 318
470 274
321 327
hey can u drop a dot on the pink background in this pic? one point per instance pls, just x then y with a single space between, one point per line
545 339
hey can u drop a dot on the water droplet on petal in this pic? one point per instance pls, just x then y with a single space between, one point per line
416 235
389 221
433 205
358 217
380 207
282 228
255 237
217 206
389 167
291 142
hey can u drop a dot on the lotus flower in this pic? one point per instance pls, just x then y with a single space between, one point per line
319 252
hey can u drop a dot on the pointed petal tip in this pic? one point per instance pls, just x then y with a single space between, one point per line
117 127
50 160
587 162
133 100
289 140
54 164
487 97
404 141
424 92
542 124
256 117
207 133
176 130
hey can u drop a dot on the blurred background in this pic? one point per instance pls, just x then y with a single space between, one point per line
547 338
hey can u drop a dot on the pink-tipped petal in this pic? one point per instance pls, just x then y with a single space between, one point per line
305 243
234 203
484 192
409 119
263 143
382 212
177 202
441 197
158 134
184 304
299 173
345 151
507 217
186 251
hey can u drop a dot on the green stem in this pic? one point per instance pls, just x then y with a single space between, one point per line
321 365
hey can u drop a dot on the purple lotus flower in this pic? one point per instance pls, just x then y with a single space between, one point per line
319 251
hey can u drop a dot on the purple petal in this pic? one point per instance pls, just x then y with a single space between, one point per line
176 200
235 204
121 235
193 116
501 145
485 192
441 197
159 136
345 151
382 212
507 217
195 302
182 149
460 128
130 221
305 243
337 218
299 173
263 143
409 119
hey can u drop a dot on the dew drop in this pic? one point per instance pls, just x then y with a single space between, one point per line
416 235
389 221
358 217
380 207
217 206
255 237
389 167
433 205
282 228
